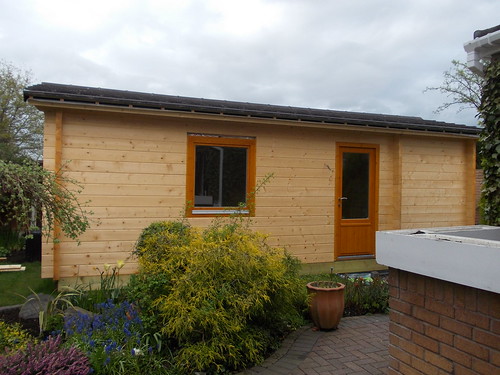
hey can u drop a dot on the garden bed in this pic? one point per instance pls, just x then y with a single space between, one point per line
10 314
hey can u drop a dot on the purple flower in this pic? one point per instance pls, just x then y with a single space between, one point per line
46 357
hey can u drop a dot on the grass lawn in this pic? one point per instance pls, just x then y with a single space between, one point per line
14 284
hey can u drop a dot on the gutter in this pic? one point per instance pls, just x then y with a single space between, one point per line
481 49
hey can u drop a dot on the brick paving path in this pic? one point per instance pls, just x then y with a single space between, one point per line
357 347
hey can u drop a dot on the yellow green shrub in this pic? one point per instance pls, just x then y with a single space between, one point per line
13 337
223 295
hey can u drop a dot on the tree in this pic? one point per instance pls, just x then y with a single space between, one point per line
462 86
21 124
27 186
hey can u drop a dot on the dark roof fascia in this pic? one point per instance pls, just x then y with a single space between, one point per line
71 94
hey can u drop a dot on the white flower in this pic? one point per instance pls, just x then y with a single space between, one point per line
136 351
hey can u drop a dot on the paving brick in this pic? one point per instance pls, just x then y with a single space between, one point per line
358 346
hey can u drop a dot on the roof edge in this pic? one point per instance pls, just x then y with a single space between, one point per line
52 92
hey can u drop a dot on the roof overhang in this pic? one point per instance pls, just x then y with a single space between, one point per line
50 96
481 49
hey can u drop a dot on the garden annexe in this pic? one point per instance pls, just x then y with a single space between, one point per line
338 177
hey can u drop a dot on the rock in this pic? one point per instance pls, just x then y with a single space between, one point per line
34 304
75 310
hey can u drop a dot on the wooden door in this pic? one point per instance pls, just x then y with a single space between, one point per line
356 200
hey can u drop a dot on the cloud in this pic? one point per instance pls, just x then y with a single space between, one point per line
371 56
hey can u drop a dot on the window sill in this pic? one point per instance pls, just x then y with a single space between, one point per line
196 212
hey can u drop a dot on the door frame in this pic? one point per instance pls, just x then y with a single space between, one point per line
373 203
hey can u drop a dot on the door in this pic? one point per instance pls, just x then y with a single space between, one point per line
356 201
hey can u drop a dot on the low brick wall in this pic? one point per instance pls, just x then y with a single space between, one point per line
438 327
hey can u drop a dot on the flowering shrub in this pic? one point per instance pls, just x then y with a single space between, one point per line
223 295
13 337
113 339
46 358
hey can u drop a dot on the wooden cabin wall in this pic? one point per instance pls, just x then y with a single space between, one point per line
133 169
436 182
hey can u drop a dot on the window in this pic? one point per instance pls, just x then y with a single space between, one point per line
220 174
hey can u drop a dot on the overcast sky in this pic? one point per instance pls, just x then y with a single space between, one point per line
357 55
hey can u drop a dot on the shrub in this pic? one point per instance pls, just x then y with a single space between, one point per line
361 295
10 241
46 358
13 337
158 243
223 294
365 296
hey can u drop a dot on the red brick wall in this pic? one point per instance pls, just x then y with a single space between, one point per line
438 327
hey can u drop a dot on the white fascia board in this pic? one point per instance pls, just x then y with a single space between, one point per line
482 49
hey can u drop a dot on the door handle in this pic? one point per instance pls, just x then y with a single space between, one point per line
341 199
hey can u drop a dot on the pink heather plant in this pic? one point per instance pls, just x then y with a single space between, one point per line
46 358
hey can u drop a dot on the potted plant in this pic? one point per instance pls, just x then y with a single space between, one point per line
326 303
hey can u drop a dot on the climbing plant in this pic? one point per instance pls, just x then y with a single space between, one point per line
489 111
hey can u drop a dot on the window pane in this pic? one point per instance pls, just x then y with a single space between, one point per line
355 185
220 176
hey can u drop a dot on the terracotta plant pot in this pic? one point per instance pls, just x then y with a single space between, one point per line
326 303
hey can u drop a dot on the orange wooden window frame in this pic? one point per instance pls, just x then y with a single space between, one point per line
220 141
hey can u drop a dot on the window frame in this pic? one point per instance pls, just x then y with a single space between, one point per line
219 141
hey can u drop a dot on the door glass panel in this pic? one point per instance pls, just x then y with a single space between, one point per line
355 185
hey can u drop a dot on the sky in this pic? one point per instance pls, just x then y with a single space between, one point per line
374 56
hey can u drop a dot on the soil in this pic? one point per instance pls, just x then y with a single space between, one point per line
11 315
